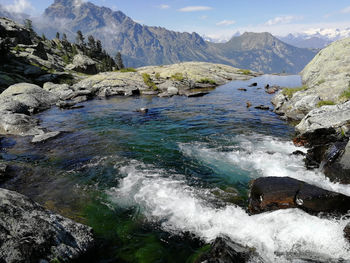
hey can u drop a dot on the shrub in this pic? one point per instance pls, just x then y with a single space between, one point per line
245 71
325 102
178 76
157 76
207 81
127 70
66 59
289 92
148 81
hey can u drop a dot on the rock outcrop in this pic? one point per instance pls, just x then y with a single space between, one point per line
30 233
326 79
83 64
273 193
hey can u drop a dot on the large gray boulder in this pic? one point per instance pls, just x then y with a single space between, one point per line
30 233
83 64
18 124
333 116
30 95
63 91
17 33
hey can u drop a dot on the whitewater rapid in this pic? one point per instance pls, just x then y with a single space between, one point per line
166 198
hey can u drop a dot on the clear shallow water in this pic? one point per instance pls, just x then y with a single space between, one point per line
156 187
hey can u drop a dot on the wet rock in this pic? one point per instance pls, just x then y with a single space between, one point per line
262 107
249 104
267 86
254 84
272 90
224 250
80 99
83 64
196 93
242 89
298 153
3 172
45 136
142 110
20 124
68 105
347 232
30 233
273 193
336 162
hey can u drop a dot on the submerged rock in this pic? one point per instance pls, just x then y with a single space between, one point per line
242 89
142 110
30 233
224 250
254 84
45 136
262 107
273 193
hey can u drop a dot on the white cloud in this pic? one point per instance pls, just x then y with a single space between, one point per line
203 17
226 23
164 6
195 8
20 6
346 10
282 20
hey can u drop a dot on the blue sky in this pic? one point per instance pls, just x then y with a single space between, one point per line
221 18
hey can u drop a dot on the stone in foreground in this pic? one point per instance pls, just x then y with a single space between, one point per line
223 250
30 233
45 136
273 193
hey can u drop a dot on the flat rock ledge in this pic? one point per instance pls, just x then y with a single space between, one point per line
30 233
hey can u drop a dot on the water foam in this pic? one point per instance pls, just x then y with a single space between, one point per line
166 198
261 156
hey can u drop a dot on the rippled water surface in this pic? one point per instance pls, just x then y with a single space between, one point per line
158 187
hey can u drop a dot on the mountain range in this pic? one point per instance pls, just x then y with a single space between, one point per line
143 45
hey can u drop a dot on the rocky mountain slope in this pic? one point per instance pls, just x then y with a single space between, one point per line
143 45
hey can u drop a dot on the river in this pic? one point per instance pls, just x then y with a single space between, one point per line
157 187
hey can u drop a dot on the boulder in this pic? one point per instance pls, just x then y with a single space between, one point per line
172 91
19 124
30 233
254 84
17 33
83 64
63 91
331 116
273 193
336 163
242 89
45 136
142 110
224 250
30 95
262 107
190 93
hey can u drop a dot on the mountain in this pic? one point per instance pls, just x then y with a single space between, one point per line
264 52
316 38
143 45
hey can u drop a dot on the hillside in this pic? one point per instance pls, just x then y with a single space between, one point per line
143 45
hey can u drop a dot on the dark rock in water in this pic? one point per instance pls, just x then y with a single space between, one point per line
273 193
30 233
267 86
68 105
196 93
249 104
272 90
242 89
297 152
347 232
336 162
262 107
224 250
142 110
253 84
318 137
3 172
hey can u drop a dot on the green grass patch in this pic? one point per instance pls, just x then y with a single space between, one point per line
127 70
321 81
346 94
178 76
325 102
148 81
289 92
245 71
19 49
207 81
66 59
157 75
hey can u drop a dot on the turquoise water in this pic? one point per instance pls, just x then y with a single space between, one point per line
157 187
